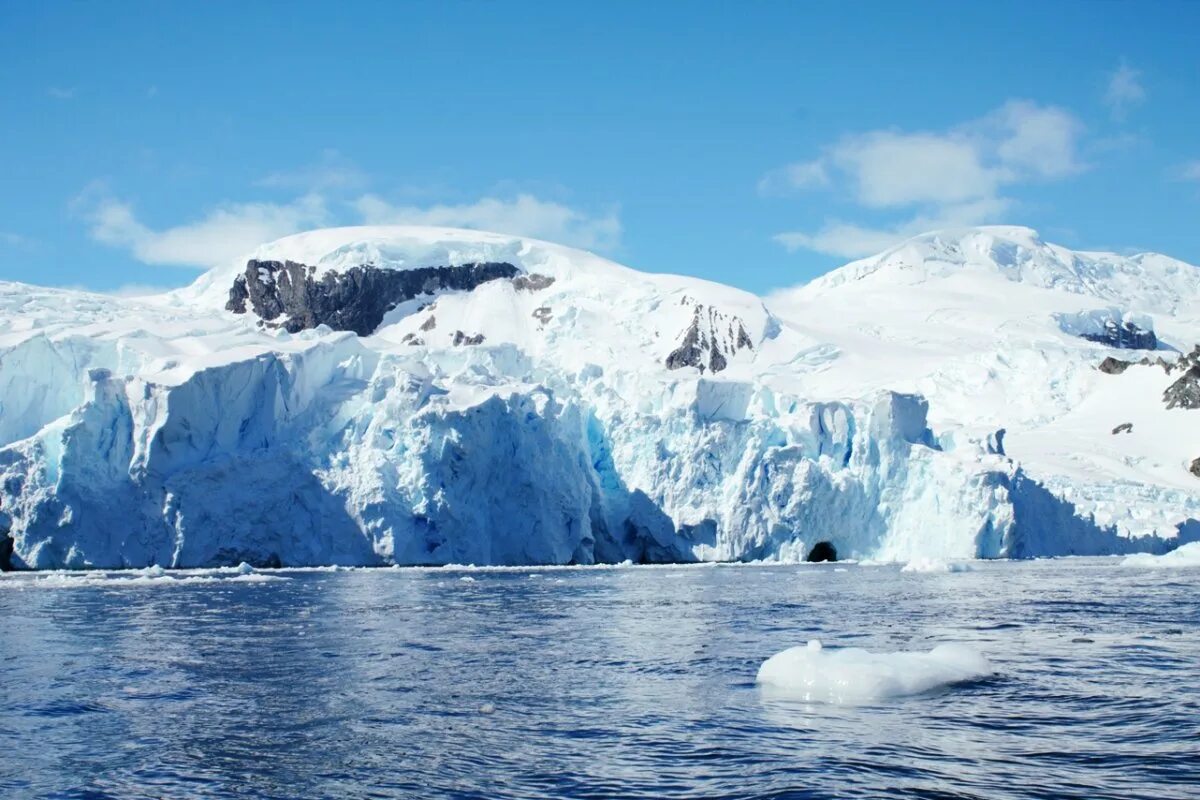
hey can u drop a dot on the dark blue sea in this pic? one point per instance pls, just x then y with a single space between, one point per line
591 683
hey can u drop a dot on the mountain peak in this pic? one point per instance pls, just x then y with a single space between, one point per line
1019 255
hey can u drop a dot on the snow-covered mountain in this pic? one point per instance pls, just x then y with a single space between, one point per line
427 396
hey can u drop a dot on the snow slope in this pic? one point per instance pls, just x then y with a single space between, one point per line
587 412
984 323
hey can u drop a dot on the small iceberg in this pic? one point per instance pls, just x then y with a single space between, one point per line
1187 555
853 676
935 565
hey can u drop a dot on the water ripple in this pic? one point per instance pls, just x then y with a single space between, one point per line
595 684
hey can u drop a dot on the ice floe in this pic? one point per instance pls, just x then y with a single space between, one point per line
1187 555
148 577
935 565
853 676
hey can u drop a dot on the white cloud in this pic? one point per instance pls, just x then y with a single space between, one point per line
1036 141
801 175
332 172
137 290
61 93
229 231
10 239
895 169
221 236
847 240
1189 171
840 239
1124 90
937 179
524 215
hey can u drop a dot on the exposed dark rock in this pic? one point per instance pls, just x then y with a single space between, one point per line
354 300
822 551
543 314
238 296
429 324
1184 392
1114 366
412 339
1195 468
461 339
1167 366
1124 427
1124 335
709 340
7 545
532 282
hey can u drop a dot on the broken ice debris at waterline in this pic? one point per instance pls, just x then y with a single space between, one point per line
853 676
1187 555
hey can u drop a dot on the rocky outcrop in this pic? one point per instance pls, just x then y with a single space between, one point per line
709 340
1114 366
1124 427
461 339
1185 391
533 282
1124 336
354 300
1195 468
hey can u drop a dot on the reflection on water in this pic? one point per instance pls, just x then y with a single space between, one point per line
594 683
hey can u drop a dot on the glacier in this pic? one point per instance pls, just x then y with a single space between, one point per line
939 401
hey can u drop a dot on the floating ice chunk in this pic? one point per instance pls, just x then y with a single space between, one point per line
854 676
1187 555
150 576
467 579
935 565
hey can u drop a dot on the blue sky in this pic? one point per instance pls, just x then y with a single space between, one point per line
758 144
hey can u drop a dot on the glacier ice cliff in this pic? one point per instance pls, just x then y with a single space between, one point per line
603 415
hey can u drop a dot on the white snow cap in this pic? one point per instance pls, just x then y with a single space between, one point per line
401 247
853 676
1151 282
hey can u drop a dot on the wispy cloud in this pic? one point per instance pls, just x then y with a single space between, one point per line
10 239
1188 171
801 175
523 215
137 290
62 93
934 179
231 230
219 237
1124 90
332 171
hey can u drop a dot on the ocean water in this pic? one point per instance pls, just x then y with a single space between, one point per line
626 682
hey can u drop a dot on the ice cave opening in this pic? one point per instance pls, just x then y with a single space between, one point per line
822 551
